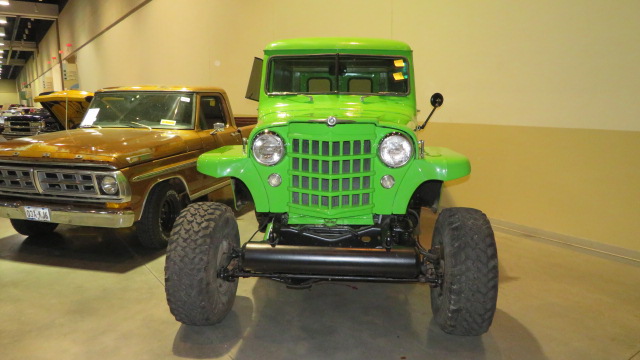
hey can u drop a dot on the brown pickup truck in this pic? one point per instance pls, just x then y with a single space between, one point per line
131 160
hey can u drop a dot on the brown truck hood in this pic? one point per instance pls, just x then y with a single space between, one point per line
119 147
67 107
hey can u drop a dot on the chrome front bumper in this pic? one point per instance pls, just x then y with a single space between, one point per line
62 214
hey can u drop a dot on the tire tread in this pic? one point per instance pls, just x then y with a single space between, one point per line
189 273
470 288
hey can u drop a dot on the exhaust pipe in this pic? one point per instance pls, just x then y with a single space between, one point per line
402 263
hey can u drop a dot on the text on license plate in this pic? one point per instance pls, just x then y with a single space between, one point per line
37 213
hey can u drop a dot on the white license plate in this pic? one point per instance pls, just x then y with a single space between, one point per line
37 213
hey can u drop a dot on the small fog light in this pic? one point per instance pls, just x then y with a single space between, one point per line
387 181
275 180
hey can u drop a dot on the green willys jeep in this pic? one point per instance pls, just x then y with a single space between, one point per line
338 178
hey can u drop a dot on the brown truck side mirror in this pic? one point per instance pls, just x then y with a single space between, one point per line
217 127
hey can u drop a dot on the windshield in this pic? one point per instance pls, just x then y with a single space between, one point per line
143 109
338 74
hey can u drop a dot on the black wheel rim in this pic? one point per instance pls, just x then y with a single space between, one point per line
168 215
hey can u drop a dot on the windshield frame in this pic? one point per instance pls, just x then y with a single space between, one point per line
337 92
97 97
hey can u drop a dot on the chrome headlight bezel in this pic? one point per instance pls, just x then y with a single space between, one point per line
386 142
109 185
276 152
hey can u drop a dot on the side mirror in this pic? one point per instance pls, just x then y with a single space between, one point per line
88 98
436 100
217 127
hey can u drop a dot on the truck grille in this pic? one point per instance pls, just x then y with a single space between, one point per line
52 183
22 127
330 174
67 182
16 179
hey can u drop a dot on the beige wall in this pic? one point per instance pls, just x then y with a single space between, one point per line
540 94
577 182
8 93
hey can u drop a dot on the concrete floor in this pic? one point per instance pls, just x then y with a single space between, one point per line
89 293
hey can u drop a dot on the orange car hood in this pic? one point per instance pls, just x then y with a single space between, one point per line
119 147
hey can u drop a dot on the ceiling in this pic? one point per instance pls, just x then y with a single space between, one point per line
27 23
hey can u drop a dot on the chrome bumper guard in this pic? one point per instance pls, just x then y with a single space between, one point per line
64 215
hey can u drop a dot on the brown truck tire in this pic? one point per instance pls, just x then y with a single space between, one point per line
465 301
201 243
160 212
33 228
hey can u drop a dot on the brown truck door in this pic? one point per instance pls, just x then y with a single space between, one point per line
215 130
215 126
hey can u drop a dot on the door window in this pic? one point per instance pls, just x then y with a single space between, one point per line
211 112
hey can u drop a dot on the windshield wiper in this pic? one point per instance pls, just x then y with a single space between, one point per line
140 125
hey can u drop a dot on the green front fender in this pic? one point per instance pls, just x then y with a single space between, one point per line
231 161
438 164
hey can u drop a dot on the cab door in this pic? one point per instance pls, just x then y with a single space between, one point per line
215 128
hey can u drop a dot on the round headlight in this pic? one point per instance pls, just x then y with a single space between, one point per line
268 148
109 185
395 150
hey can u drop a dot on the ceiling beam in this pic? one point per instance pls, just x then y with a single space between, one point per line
19 46
30 10
14 62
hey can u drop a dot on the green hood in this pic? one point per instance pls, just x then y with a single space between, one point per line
388 111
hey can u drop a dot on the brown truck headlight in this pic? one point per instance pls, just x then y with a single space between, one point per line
109 185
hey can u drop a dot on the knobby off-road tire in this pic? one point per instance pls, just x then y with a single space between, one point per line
201 243
160 212
465 302
32 228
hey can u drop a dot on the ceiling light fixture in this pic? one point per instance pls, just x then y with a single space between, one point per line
2 33
4 2
3 19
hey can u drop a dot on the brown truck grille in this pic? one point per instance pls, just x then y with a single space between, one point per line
16 179
66 182
57 183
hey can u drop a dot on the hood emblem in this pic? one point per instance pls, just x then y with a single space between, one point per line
46 155
16 153
332 121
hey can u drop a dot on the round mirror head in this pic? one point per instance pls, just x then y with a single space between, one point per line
436 100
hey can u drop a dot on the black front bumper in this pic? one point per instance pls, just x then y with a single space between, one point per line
400 263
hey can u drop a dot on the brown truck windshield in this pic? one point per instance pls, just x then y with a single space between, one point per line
333 74
144 109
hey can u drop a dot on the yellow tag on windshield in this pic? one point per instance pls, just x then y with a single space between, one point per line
398 76
398 63
167 122
212 102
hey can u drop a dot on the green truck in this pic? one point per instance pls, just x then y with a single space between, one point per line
338 179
